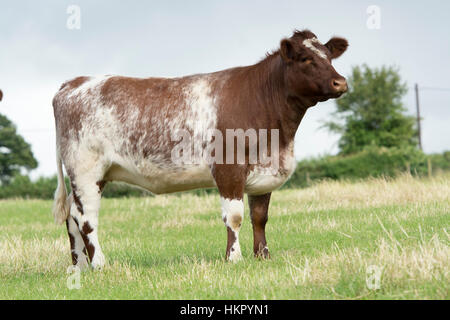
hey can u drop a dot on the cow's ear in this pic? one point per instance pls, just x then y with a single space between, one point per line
337 47
287 50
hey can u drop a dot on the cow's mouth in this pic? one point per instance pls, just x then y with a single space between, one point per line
338 94
329 96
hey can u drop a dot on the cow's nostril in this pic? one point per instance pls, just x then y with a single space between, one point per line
340 85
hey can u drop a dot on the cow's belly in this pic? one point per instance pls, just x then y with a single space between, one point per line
182 179
162 178
159 181
261 183
262 180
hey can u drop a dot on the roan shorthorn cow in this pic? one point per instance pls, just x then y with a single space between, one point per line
115 128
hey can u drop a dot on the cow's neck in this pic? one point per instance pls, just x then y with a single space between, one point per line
271 92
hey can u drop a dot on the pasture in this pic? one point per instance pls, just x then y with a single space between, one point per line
322 241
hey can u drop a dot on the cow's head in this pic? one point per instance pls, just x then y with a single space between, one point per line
309 74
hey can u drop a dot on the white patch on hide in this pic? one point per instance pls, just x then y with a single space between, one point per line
231 208
233 214
90 85
200 117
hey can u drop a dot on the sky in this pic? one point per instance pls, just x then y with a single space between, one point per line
38 52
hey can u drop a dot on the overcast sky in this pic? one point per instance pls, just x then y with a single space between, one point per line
174 38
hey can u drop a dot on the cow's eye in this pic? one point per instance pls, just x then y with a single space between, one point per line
306 60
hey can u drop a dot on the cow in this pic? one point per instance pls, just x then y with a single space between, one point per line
1 95
116 128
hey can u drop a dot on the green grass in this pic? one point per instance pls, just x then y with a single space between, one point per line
322 239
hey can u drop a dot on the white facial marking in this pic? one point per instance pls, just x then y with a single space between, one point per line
309 43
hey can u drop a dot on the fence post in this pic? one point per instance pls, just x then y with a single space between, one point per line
430 168
419 131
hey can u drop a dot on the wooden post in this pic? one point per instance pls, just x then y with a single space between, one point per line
430 168
419 131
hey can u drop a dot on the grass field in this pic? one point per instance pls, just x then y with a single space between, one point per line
322 241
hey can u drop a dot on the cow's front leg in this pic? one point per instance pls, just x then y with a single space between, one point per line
232 215
230 180
259 206
86 198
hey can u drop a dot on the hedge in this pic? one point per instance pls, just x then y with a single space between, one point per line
372 162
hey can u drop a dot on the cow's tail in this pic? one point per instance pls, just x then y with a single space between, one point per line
61 204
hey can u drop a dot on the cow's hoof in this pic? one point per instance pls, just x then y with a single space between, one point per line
98 262
234 258
83 264
263 253
235 254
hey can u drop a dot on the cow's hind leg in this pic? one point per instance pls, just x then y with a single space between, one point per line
259 206
86 198
77 248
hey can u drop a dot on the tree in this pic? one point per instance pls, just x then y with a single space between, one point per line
372 113
15 152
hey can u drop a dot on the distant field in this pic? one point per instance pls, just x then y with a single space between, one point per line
322 241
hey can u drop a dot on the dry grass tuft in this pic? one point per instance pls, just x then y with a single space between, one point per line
33 255
374 192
